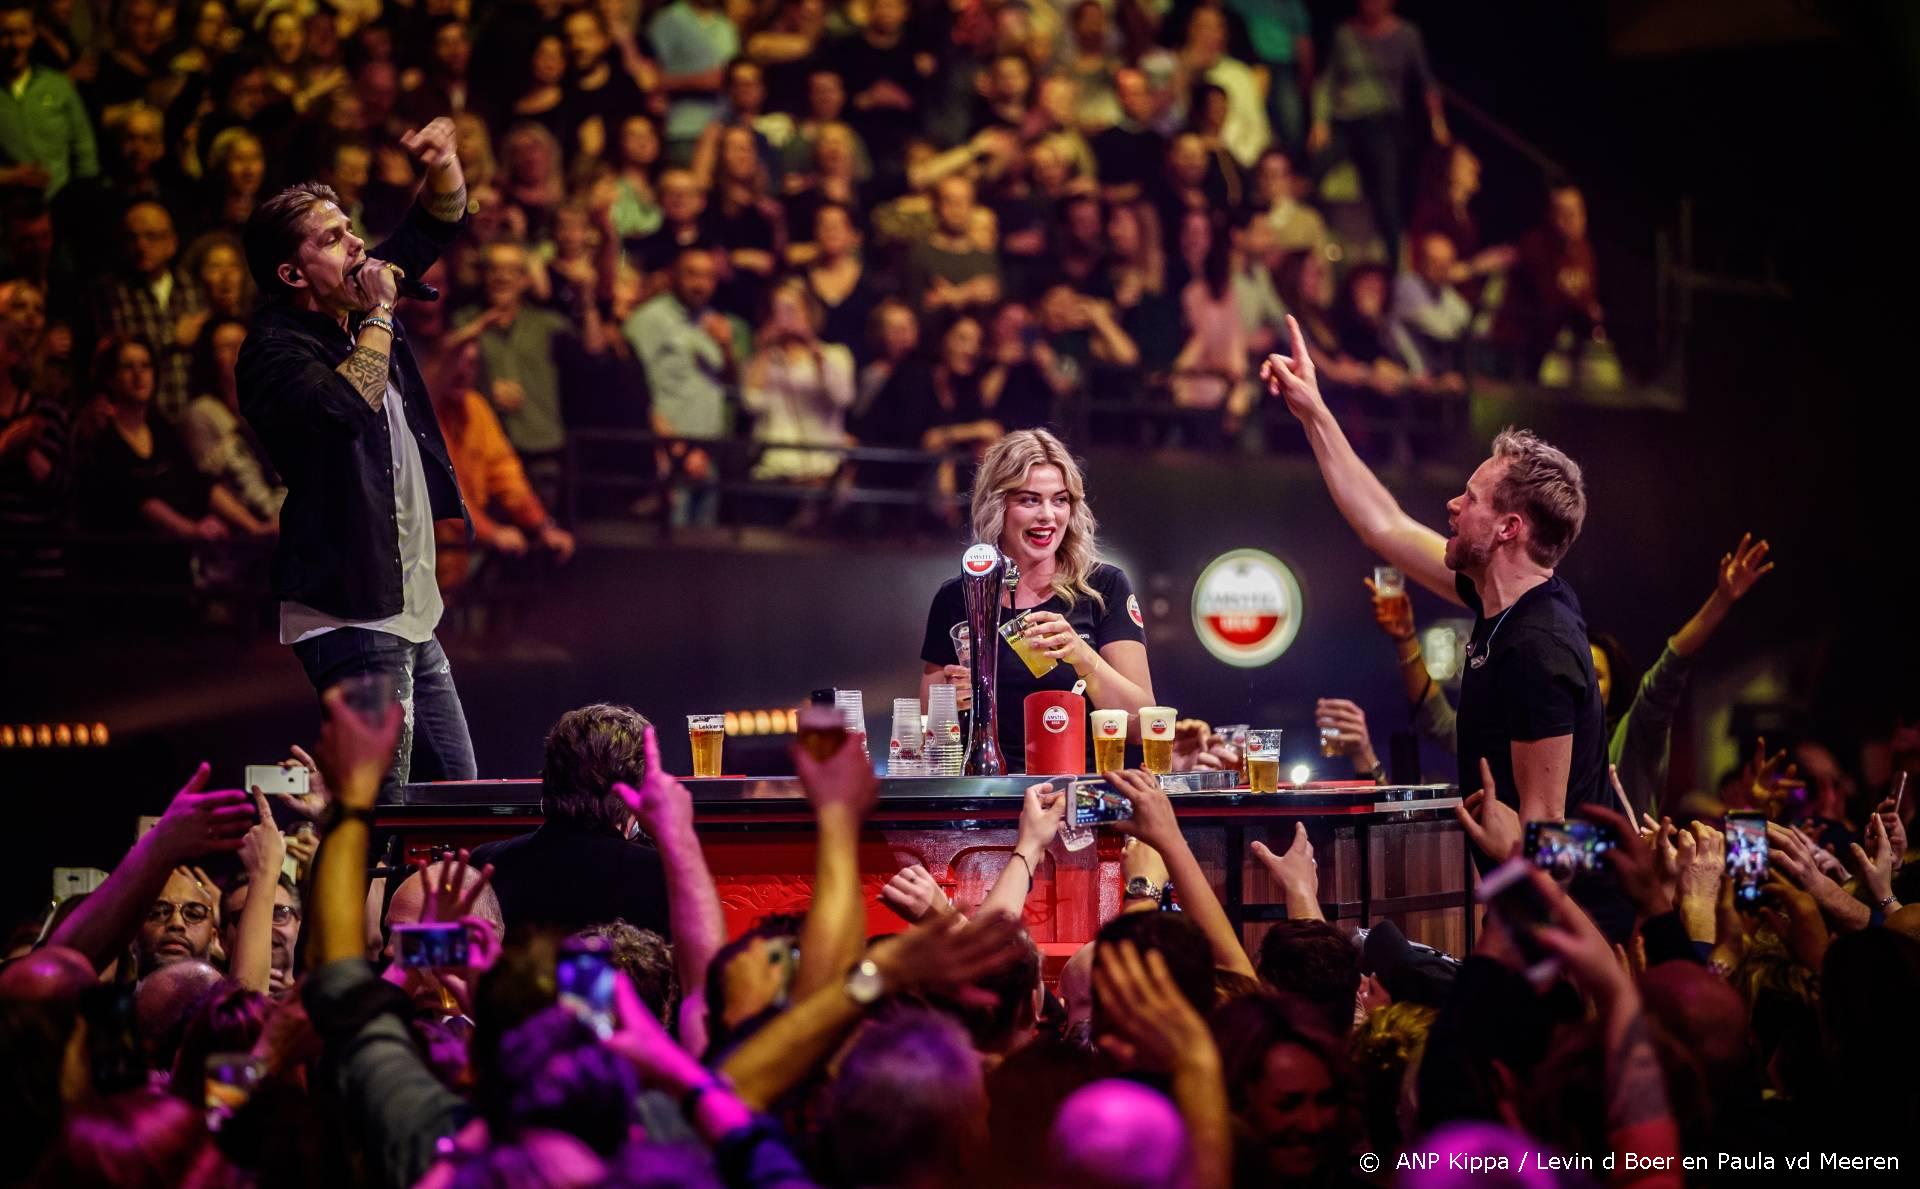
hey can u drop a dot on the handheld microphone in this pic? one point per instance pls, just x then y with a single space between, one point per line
405 286
418 290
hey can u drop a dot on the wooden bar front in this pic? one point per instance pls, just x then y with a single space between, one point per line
1384 852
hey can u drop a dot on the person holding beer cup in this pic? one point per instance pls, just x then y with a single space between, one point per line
1074 618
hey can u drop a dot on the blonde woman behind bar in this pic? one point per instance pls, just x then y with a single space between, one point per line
1030 499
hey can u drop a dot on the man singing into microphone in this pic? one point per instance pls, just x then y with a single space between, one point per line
329 384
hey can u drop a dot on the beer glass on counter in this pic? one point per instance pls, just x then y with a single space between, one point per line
1156 738
706 732
1038 663
1109 740
1263 761
1235 736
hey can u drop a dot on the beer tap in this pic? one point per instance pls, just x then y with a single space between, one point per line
985 575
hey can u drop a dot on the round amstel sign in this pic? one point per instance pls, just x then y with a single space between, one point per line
1246 608
1054 718
979 559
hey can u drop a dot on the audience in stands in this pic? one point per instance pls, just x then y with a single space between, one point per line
1020 176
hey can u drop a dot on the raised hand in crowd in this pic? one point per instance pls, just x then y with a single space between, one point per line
913 894
1349 723
1736 574
1042 811
1148 1024
1643 875
1796 920
263 850
1896 830
355 754
1492 824
1153 823
1873 863
1790 853
450 889
842 790
945 953
1767 781
664 808
1297 872
196 823
1701 868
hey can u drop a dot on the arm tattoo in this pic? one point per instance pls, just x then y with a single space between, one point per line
1636 1089
448 208
366 370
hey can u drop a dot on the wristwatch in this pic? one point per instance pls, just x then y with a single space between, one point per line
864 984
1142 888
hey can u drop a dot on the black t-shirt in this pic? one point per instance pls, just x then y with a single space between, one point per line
1101 623
1535 680
1529 676
568 876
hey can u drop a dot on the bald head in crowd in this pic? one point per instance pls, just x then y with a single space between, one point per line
410 900
54 974
1116 1134
162 1003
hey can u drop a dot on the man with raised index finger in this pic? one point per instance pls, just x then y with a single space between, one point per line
1529 702
328 381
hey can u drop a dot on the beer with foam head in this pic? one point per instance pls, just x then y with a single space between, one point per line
1109 740
1156 738
706 732
1263 761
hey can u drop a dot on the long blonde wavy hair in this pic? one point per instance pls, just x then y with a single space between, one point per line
1002 472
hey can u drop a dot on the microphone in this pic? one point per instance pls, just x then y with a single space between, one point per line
405 286
418 290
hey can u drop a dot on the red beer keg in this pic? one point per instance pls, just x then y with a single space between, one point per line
1056 732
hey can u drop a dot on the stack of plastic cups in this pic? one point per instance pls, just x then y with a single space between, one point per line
906 749
853 711
946 752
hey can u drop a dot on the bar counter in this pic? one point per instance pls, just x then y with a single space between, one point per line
1383 851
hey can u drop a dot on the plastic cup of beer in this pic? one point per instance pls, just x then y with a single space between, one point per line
706 732
1038 663
1109 740
1329 741
1263 761
1389 582
1235 736
821 730
1156 738
962 637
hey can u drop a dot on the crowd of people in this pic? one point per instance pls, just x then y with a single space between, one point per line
749 228
176 1027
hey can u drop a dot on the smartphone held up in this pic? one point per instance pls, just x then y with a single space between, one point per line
1747 855
1567 849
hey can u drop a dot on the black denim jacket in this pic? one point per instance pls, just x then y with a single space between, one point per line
339 550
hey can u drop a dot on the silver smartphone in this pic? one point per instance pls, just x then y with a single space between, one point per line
277 781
